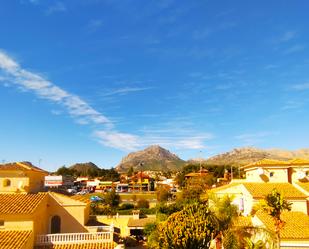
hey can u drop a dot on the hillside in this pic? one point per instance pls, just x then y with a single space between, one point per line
84 168
151 158
242 156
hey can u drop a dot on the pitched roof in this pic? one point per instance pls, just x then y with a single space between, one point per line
13 239
260 190
22 166
267 162
271 162
299 161
67 200
304 185
93 245
140 222
20 203
296 226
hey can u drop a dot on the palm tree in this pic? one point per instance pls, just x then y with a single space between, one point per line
275 205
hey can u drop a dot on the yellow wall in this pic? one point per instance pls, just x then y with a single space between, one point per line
72 216
239 193
15 183
279 175
29 181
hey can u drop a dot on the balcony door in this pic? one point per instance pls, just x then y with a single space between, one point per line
55 224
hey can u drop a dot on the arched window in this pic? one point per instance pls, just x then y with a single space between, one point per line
6 183
55 224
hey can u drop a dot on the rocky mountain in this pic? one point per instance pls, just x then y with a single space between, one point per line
242 156
151 158
83 168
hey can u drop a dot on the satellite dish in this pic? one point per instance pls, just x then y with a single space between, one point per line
301 175
260 171
20 185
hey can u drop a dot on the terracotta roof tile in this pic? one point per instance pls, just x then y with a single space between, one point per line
260 190
20 203
13 239
296 226
304 185
23 166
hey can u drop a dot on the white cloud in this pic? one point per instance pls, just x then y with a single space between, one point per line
287 36
45 89
254 138
13 74
125 90
94 24
56 7
301 87
294 49
123 141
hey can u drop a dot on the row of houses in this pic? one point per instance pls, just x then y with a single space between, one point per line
291 179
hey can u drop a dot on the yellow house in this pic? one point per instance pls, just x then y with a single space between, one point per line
267 170
295 232
291 180
21 177
31 219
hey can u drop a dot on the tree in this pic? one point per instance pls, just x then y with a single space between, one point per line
112 198
64 171
142 203
275 205
191 228
130 172
163 194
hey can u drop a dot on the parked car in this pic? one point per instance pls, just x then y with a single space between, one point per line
71 191
83 192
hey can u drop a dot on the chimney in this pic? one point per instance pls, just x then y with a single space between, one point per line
135 214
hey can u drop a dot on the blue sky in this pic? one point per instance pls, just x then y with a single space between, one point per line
93 80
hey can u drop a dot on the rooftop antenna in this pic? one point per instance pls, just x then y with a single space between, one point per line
200 162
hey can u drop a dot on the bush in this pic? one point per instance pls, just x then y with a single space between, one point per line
163 194
112 198
126 206
142 203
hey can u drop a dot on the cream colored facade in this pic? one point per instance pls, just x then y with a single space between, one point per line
39 211
21 178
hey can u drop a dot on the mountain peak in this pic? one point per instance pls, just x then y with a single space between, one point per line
153 157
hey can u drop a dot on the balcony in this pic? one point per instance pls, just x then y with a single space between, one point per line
74 238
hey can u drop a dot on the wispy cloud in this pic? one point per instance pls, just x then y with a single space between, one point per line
287 36
45 89
294 49
125 90
292 105
94 24
104 131
254 138
300 87
56 7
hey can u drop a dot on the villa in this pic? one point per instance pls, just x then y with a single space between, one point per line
291 179
33 219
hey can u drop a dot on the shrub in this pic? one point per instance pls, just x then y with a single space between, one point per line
126 206
142 203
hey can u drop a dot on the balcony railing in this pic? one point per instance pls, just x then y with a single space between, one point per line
66 238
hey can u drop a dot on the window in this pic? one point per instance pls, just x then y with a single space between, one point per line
55 225
6 183
271 174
